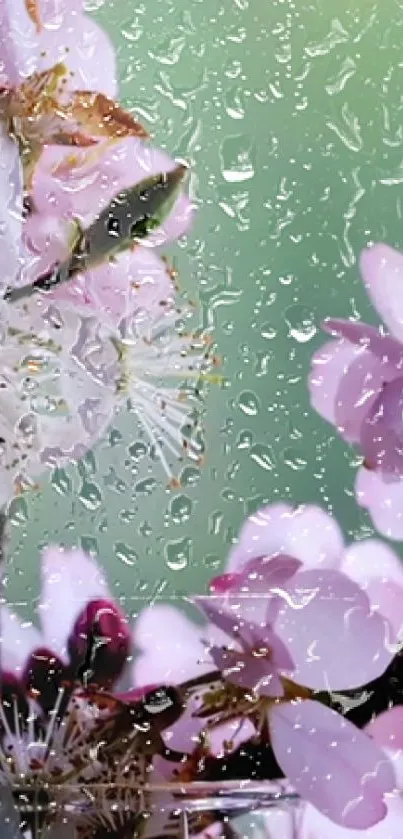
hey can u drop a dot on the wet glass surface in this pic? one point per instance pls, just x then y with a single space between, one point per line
289 116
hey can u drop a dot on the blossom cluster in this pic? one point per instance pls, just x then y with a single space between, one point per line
90 316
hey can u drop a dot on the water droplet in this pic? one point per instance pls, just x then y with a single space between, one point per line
146 486
236 155
169 51
180 509
125 553
90 496
177 554
87 465
234 104
249 403
301 323
137 450
214 523
294 460
268 331
18 511
61 481
89 545
190 476
263 456
244 440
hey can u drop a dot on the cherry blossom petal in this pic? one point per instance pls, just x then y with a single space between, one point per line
358 392
248 594
171 649
387 728
383 499
322 608
18 641
70 579
79 43
84 188
315 825
382 272
137 281
331 763
19 42
384 347
245 671
379 571
176 225
215 610
307 533
381 438
46 239
329 366
55 11
10 211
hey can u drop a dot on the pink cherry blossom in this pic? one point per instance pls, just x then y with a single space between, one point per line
315 641
172 656
387 732
40 681
78 186
64 33
293 609
310 536
356 384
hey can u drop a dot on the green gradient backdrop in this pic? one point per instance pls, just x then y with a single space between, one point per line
290 113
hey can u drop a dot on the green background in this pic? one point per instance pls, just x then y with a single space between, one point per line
291 116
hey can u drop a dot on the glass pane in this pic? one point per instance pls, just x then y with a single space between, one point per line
200 474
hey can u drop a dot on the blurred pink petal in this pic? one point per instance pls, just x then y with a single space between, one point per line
176 225
248 594
171 649
307 533
314 825
322 608
19 42
18 641
214 609
358 392
70 579
79 43
85 188
10 211
382 272
387 728
383 499
331 763
329 365
385 348
379 571
138 280
55 11
262 534
245 671
46 239
381 439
